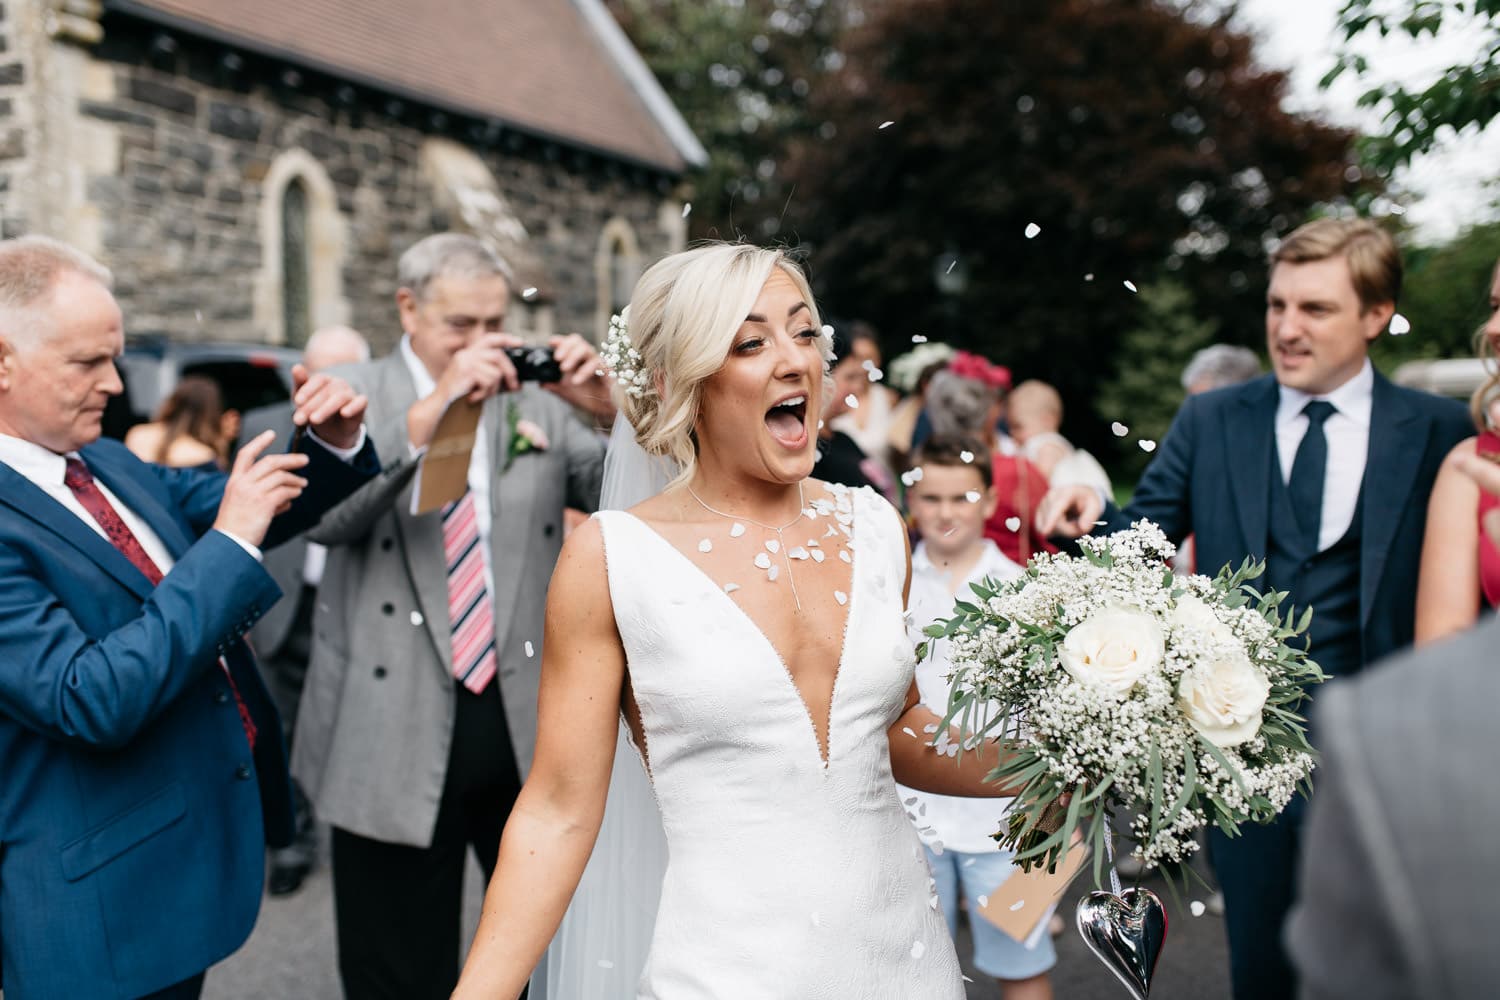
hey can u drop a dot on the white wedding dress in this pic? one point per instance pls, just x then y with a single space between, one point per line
787 878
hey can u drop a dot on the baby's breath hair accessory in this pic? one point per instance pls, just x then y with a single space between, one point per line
622 359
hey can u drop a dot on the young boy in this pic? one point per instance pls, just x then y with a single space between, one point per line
950 504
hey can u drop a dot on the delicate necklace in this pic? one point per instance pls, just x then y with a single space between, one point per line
780 540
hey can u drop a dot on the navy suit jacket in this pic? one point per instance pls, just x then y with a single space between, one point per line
133 815
1211 479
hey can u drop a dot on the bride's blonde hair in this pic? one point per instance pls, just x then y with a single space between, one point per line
683 316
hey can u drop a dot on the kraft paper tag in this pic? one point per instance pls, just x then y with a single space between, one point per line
1021 903
444 473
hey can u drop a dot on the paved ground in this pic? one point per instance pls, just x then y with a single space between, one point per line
291 954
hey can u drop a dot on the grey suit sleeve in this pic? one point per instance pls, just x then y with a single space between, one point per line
1340 935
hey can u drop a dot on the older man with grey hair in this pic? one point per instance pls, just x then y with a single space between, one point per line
1219 365
418 717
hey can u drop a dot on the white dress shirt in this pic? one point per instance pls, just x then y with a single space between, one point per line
1348 432
957 823
479 457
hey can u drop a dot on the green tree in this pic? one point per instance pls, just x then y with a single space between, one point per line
1146 389
742 73
1140 138
1445 298
1465 95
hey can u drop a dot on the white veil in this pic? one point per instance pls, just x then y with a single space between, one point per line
600 948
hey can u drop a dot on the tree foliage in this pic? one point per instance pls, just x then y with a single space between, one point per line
1140 136
742 73
1445 297
1465 95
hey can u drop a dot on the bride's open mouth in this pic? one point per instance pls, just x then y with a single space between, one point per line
787 422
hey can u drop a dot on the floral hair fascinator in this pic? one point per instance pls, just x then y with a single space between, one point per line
972 366
622 359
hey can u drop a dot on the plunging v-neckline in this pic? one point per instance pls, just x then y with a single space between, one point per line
824 747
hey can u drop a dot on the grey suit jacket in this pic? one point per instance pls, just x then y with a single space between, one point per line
1398 889
376 717
285 562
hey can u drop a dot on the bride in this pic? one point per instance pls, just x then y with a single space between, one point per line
749 623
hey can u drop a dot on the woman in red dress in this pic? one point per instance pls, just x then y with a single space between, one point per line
1460 564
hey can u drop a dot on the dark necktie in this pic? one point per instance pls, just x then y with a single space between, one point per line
76 477
1309 469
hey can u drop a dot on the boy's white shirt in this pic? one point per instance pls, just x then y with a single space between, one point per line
958 824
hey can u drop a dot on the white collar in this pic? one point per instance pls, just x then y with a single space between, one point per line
1353 399
38 464
991 562
421 378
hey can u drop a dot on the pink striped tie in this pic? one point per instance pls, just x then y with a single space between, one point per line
469 614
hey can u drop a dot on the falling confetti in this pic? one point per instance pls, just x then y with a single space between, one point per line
1013 523
886 125
1089 276
687 210
841 597
852 401
1016 906
1197 907
918 338
1400 325
1148 446
973 496
1032 230
967 456
1120 429
605 963
916 474
530 649
416 618
705 546
198 314
529 292
909 732
1129 286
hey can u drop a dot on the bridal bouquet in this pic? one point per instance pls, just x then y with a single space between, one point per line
1131 688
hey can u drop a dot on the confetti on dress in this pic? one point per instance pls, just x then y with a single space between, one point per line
773 573
730 588
841 597
817 555
918 949
772 545
705 546
845 556
736 530
762 561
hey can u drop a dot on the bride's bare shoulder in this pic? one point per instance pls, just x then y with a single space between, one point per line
664 508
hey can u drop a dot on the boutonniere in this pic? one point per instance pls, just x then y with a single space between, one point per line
523 435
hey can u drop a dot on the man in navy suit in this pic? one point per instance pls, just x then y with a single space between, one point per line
142 767
1323 470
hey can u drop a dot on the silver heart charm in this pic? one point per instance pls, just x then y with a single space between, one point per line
1126 932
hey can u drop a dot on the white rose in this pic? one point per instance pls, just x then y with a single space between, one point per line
1223 699
1114 649
1192 613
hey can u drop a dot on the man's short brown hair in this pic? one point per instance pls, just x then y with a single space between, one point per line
1374 260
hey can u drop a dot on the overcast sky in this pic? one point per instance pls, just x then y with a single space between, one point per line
1449 186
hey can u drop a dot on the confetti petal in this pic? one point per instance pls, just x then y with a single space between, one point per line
528 292
817 555
973 496
841 597
845 556
912 733
736 530
1129 286
772 545
605 963
705 546
852 401
1016 906
984 902
966 456
798 553
1197 908
886 125
917 338
1119 429
773 573
1013 523
687 210
762 561
417 619
1089 276
730 588
1147 445
1399 325
530 649
1032 230
918 949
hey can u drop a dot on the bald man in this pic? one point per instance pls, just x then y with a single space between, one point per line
283 638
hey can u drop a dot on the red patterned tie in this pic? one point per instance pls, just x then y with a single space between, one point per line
470 619
77 478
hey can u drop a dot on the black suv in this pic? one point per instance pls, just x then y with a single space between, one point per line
249 375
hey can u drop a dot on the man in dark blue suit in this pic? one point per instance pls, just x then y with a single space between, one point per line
1323 470
142 767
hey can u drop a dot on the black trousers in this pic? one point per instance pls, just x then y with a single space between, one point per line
398 907
1257 873
188 989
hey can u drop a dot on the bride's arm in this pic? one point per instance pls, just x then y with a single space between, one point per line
552 828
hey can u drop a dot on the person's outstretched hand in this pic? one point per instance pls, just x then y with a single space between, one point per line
329 406
1068 511
259 488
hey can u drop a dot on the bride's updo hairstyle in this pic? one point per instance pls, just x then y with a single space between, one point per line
682 319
